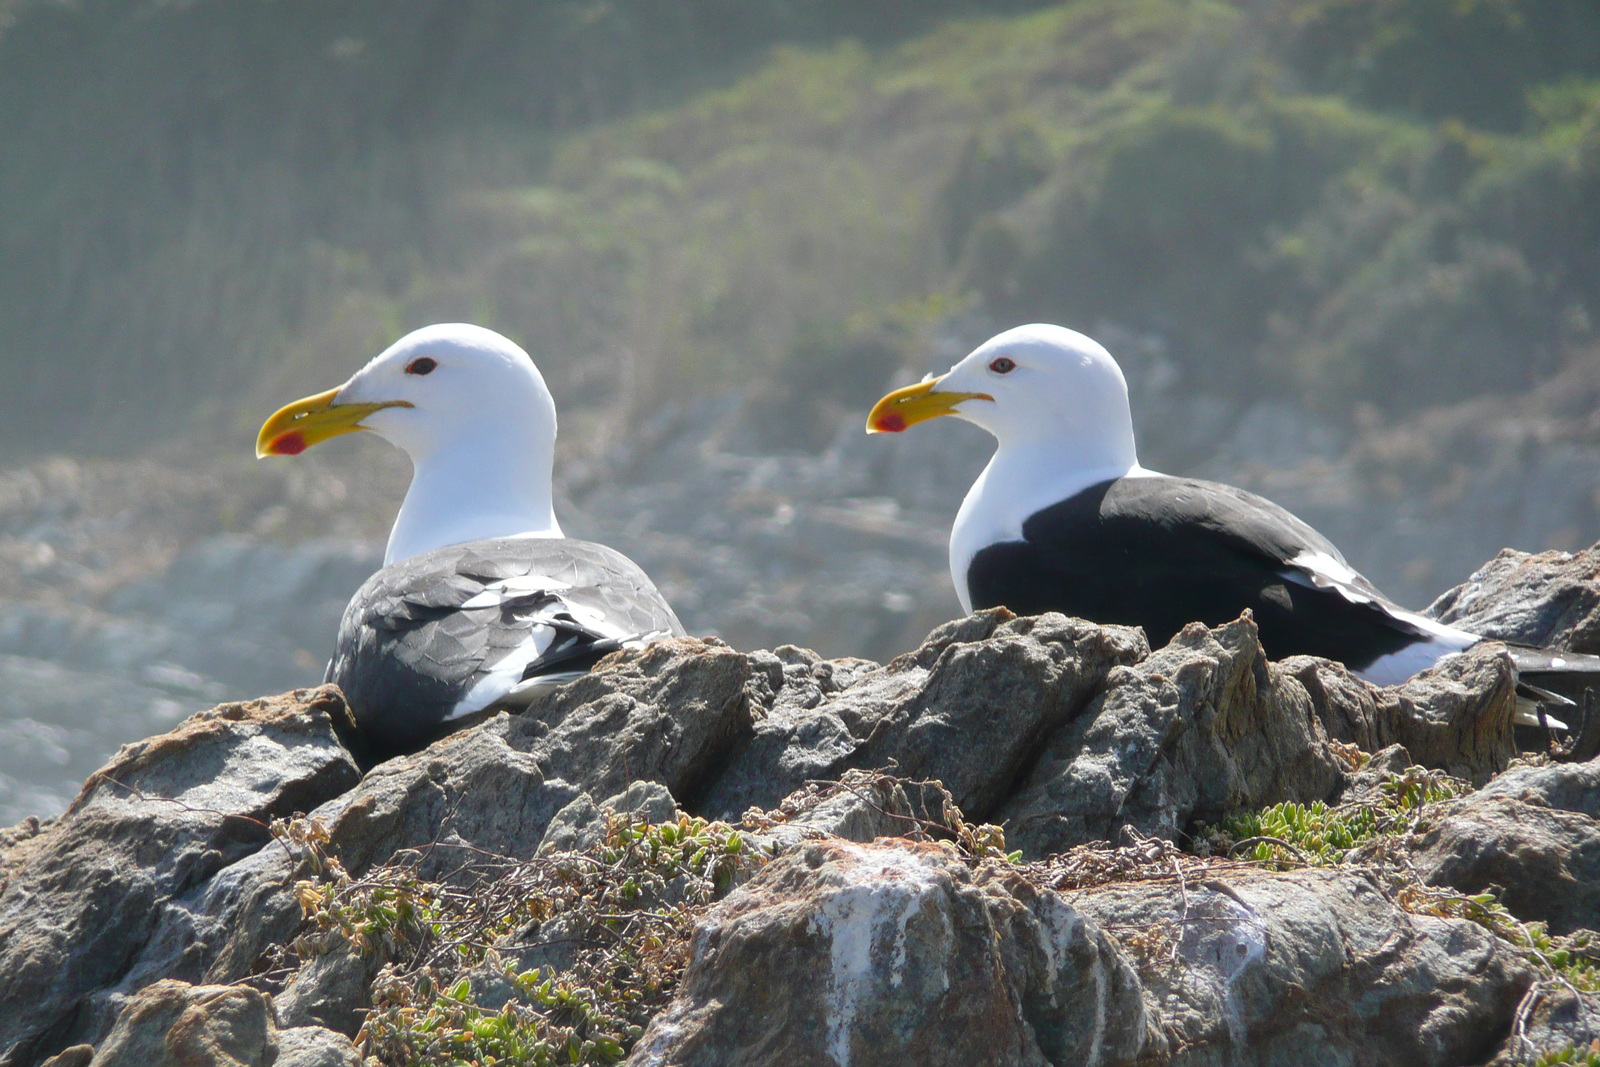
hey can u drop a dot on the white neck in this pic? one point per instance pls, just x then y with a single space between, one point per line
476 487
1024 477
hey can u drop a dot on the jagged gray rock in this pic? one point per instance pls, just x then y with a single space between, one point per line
1548 599
664 713
1070 731
1534 833
1456 716
971 708
313 1046
1312 967
1551 1018
896 953
175 1024
332 990
861 807
80 899
583 822
1201 727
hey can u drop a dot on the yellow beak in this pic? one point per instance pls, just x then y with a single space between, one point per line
914 404
296 427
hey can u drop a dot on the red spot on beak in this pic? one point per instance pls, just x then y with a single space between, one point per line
290 444
893 422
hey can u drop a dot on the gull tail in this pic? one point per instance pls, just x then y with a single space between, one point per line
1553 683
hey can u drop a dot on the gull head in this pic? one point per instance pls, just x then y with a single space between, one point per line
1035 382
435 387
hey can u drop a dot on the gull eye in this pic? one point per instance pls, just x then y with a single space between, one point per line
422 365
1003 365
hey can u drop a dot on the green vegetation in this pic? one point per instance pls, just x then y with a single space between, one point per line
1588 1056
454 990
1319 835
561 959
1395 201
1286 836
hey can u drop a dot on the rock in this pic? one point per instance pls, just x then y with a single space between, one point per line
81 899
1551 1019
312 1046
76 1056
665 713
1456 716
668 713
583 822
1535 833
1202 727
895 953
861 807
175 1024
1311 967
1548 599
1366 782
332 990
970 708
892 953
1067 731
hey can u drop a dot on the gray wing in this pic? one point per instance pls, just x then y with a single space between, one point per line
457 629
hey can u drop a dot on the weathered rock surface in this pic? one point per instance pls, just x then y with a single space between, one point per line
1313 967
663 714
1551 1018
1533 832
1547 599
895 953
174 1024
163 872
79 899
970 708
1202 727
892 953
1456 716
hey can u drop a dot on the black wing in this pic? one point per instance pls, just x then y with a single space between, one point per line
1162 552
453 630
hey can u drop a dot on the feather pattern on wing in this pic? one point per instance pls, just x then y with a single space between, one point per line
458 629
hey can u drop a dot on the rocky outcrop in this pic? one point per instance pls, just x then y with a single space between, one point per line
1457 716
1314 967
1534 834
969 708
174 1024
869 919
895 953
1547 599
81 898
857 956
1202 727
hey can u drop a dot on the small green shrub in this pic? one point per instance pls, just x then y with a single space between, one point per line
1321 836
451 990
1588 1056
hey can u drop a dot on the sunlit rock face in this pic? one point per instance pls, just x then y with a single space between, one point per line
897 952
868 919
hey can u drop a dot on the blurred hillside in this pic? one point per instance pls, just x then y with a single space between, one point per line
192 191
1337 202
1348 252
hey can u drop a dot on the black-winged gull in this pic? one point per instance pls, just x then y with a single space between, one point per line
1065 519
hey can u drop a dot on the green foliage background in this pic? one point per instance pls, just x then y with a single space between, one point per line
209 207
